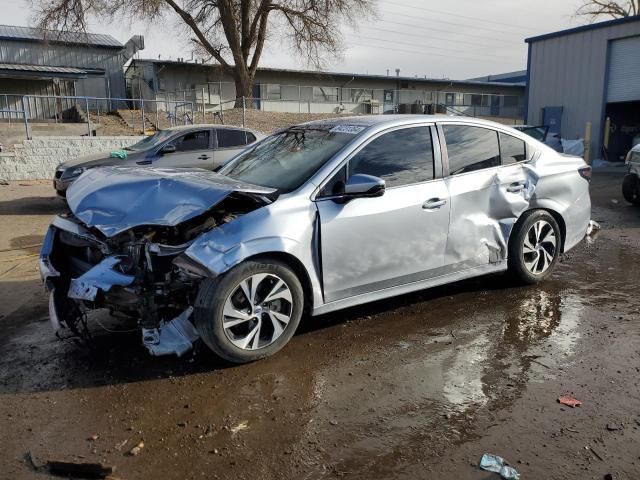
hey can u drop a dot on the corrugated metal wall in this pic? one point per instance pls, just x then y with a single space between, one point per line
36 108
110 60
624 70
571 71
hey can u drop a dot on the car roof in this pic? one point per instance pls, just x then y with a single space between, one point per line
399 120
181 128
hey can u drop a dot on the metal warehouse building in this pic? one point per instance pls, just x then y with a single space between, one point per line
588 74
43 62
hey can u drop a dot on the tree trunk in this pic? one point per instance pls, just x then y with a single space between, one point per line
244 87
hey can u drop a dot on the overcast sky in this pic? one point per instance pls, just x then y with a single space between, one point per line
456 39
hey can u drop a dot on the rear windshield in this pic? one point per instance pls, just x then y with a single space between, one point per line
287 159
539 133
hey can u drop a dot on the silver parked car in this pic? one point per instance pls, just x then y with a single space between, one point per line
315 218
200 146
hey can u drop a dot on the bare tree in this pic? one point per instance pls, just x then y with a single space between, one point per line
232 32
615 9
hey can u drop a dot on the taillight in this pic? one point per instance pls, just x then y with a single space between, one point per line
585 172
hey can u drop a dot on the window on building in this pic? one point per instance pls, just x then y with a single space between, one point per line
192 141
306 93
231 138
273 91
510 101
356 95
476 100
325 94
471 148
289 92
401 157
512 149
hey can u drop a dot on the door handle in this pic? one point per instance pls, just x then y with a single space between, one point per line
433 204
516 187
203 157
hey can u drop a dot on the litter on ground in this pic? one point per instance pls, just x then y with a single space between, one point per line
569 401
496 464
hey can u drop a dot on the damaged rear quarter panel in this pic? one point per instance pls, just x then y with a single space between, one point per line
485 209
558 191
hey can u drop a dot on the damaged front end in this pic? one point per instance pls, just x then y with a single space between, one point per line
126 256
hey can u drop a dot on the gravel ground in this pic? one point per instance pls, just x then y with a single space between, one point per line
419 386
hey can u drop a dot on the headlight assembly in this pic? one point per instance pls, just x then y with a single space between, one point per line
74 172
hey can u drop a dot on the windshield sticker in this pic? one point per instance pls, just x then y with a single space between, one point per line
352 129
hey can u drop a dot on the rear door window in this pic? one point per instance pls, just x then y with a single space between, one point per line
192 141
512 149
231 138
471 148
400 157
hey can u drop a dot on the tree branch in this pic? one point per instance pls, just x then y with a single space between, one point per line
189 20
615 9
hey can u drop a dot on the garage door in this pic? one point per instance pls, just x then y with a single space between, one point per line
624 70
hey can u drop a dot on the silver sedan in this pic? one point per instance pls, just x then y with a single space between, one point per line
315 218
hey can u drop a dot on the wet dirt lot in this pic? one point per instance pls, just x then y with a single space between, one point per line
414 387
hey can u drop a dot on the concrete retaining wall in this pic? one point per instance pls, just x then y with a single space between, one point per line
38 158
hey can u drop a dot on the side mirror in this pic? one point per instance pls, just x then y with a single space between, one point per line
361 185
168 148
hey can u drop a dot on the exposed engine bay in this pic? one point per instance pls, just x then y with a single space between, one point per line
137 272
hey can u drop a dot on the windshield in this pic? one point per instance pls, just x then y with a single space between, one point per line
151 141
287 159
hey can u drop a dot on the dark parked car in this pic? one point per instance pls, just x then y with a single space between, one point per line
631 182
201 146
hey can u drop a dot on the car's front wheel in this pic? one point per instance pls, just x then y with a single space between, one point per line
631 189
534 247
251 311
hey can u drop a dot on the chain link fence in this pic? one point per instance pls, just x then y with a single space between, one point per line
104 116
277 106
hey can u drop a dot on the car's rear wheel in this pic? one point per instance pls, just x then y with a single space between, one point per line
631 189
250 312
534 246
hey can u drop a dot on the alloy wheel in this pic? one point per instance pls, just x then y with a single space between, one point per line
257 311
539 248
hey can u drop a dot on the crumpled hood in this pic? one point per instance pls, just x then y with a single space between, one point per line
115 199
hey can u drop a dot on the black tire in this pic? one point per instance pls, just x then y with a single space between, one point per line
517 263
213 293
630 189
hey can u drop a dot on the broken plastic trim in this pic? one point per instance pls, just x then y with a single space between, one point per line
100 277
54 318
46 269
176 336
